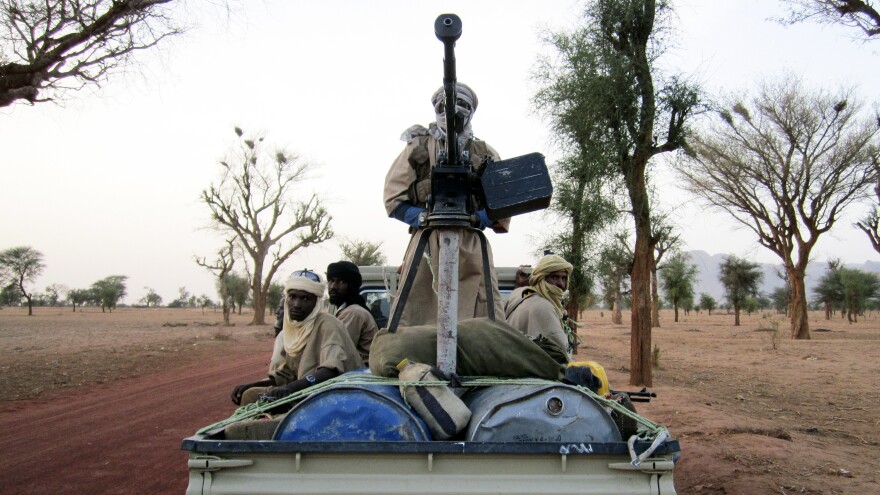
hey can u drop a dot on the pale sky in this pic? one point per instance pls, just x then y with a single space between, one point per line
107 182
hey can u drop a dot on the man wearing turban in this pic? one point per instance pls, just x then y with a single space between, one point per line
407 186
344 286
537 309
312 346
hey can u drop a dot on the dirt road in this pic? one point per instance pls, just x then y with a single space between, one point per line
756 413
119 438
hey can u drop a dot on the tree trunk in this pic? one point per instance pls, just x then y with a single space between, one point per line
676 312
257 292
655 297
800 325
640 341
735 315
573 308
616 315
224 296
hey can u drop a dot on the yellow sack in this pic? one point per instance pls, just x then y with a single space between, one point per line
598 371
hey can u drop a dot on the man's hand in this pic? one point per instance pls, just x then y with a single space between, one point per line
238 391
276 393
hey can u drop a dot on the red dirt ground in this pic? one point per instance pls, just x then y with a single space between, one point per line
98 403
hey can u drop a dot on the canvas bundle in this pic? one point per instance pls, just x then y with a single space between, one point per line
437 405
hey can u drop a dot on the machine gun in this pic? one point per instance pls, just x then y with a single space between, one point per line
641 396
502 188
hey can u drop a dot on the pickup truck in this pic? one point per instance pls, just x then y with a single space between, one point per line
355 434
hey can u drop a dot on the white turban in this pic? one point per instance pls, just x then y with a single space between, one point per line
466 104
295 334
545 266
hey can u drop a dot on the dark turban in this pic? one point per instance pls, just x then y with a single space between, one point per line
347 271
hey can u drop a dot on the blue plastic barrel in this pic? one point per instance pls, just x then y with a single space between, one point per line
353 413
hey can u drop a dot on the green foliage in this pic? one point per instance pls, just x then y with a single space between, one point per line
78 297
204 301
740 278
707 302
751 304
10 295
605 110
238 288
108 291
151 298
54 293
677 278
780 298
19 265
361 253
276 293
613 266
848 289
182 300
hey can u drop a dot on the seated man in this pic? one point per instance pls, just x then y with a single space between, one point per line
344 286
312 346
537 309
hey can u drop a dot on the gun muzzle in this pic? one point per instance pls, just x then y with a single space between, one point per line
447 27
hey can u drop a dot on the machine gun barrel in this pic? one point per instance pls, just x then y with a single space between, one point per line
447 27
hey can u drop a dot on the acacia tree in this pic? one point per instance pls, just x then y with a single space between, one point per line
847 289
678 278
238 288
859 14
613 266
109 291
78 296
786 167
221 267
252 201
55 293
363 253
664 240
151 298
54 45
582 193
19 265
740 279
614 55
707 302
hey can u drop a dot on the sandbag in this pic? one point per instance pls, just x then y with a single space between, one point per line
438 406
485 348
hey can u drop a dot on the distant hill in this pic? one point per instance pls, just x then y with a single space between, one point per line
707 274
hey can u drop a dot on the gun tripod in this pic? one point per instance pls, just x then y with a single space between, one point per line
447 297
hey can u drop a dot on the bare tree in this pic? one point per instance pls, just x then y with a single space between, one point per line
51 46
786 168
251 200
19 265
859 14
870 224
221 267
